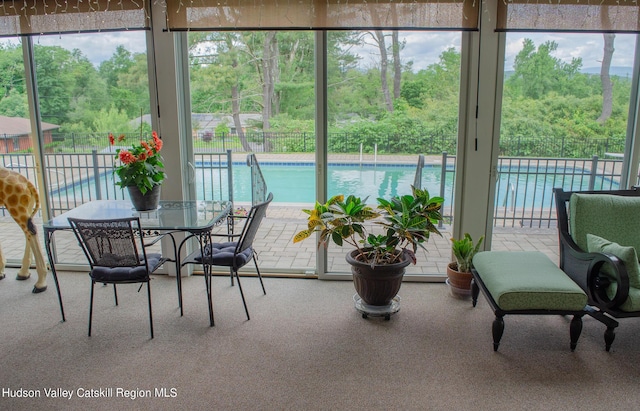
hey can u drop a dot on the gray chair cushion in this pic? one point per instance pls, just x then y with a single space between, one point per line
138 273
223 254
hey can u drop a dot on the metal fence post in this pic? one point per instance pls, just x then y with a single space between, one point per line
443 179
594 170
230 175
96 174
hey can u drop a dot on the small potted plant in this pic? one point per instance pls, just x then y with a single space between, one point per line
378 261
140 170
459 271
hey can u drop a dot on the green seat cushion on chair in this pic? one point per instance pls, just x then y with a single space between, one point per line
608 216
527 280
632 302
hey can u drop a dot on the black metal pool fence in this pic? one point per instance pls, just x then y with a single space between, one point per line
523 188
301 142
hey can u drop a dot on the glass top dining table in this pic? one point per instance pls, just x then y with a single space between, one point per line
195 218
188 216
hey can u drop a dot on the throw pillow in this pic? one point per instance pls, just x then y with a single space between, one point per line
627 254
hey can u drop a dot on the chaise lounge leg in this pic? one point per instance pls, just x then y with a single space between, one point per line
575 328
497 329
475 290
609 336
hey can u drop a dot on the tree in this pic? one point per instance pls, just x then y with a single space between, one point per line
396 46
538 73
440 82
270 76
113 121
135 81
379 39
119 63
89 93
378 36
54 71
13 99
605 79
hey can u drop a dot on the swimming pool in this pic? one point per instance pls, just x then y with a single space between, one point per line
516 186
295 183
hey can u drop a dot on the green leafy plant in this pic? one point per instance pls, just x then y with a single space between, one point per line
141 165
406 222
464 250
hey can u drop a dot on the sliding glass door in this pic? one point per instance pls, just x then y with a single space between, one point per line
393 106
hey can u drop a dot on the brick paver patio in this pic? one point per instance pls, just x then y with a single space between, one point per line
278 255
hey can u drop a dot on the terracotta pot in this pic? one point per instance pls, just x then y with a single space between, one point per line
147 201
458 279
376 285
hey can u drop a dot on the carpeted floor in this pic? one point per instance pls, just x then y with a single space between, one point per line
305 348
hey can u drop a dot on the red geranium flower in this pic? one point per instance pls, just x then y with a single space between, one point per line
140 165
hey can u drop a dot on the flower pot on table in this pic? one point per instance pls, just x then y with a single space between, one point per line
147 201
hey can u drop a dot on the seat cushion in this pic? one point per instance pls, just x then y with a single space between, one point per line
132 274
223 254
527 280
108 274
632 303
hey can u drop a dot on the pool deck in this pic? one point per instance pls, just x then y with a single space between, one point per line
279 256
367 158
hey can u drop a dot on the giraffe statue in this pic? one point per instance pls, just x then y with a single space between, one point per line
20 197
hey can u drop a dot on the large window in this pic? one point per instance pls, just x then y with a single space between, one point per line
392 97
88 85
565 110
568 110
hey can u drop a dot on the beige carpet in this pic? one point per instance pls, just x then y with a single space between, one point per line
305 348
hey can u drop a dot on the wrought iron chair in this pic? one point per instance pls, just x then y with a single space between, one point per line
116 252
233 254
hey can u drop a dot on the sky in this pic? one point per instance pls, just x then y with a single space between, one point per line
587 46
423 48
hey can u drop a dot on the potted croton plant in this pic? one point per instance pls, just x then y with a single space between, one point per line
378 261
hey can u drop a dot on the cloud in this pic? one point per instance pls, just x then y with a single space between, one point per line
421 47
587 46
97 47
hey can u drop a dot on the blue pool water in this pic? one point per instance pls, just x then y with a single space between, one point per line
295 183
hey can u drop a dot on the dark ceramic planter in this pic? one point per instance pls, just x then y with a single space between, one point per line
147 202
376 285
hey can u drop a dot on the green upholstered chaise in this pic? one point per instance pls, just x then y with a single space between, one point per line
526 282
599 233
